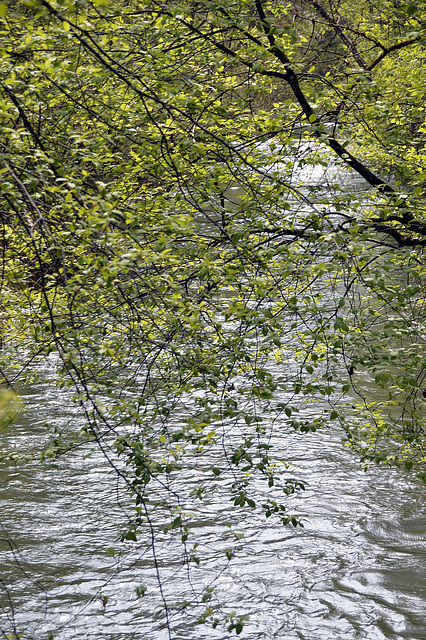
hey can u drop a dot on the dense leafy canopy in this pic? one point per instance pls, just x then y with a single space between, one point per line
213 214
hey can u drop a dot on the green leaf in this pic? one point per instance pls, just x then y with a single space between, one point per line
140 590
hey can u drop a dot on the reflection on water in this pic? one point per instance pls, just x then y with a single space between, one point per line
356 570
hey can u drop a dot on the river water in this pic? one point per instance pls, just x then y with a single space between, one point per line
357 569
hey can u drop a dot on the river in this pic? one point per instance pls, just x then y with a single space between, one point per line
357 569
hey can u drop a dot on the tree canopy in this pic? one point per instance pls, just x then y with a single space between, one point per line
213 214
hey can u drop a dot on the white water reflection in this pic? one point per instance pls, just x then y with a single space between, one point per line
357 569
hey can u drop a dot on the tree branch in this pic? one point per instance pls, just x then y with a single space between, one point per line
340 33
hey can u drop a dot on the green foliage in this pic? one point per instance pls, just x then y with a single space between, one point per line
161 236
10 407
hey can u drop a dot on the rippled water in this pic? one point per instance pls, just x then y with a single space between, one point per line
356 570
